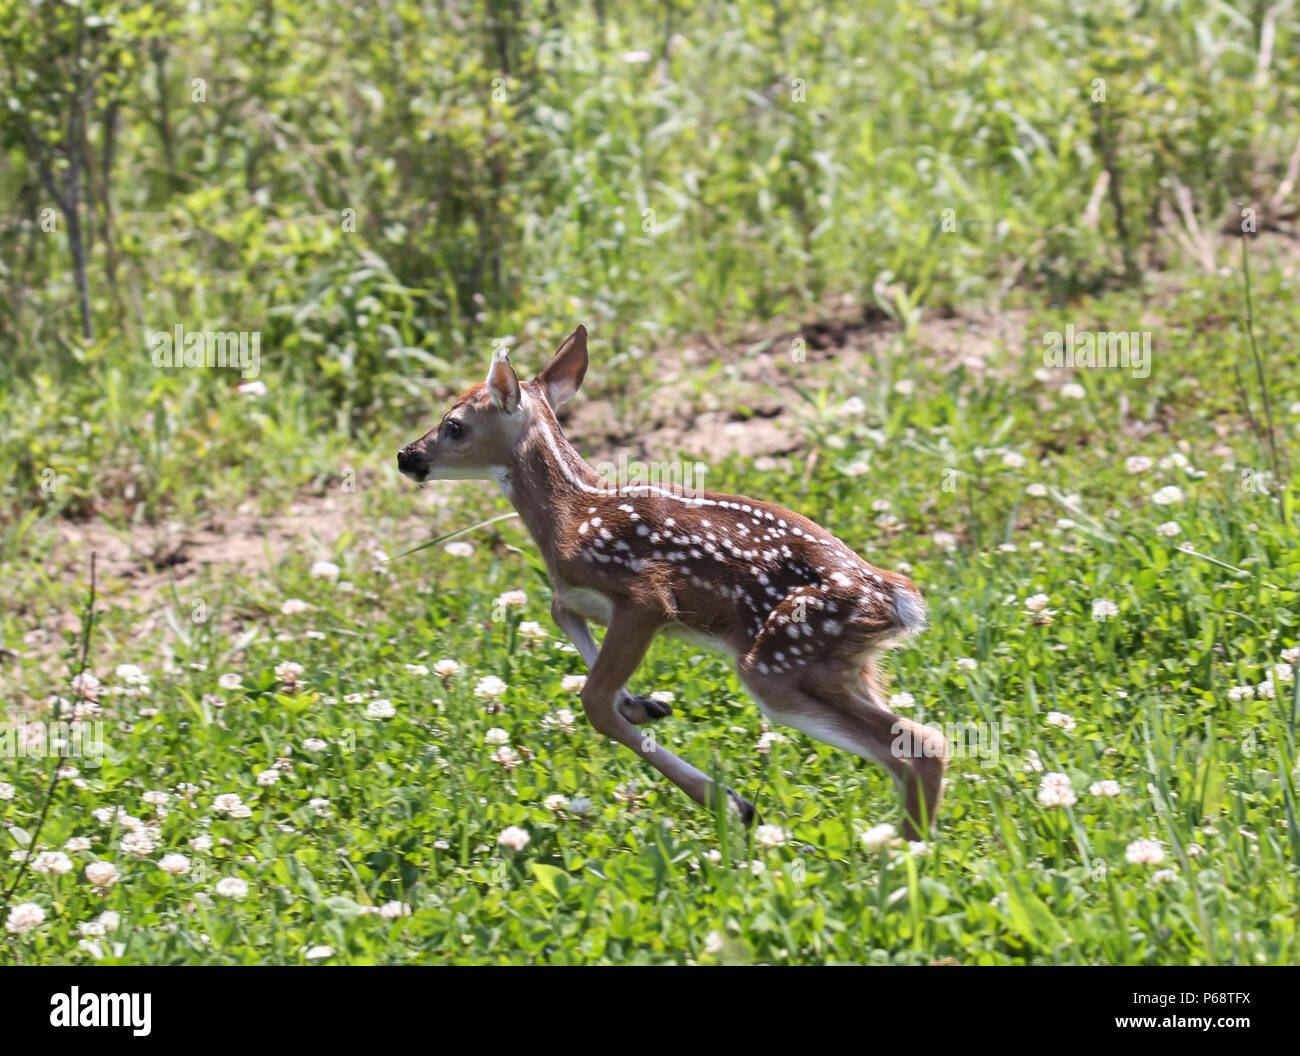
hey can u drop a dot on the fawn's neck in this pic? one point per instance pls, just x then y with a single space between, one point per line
548 483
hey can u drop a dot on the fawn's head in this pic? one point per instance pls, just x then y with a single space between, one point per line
479 435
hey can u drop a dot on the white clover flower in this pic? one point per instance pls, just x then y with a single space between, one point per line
765 742
380 709
1060 720
110 920
325 570
490 687
131 675
1036 490
1014 460
857 468
319 953
561 717
295 606
1037 602
514 838
1291 655
905 387
1169 529
241 810
902 701
511 599
289 672
507 757
1144 852
1055 790
52 863
231 887
946 540
268 777
1170 495
77 843
965 663
713 942
496 735
879 836
573 683
102 874
314 744
137 843
321 807
852 407
24 917
446 668
1164 876
156 798
225 803
531 631
770 836
1138 463
1072 390
86 685
392 910
1103 609
1105 788
176 864
6 790
201 843
1241 693
459 548
419 670
92 929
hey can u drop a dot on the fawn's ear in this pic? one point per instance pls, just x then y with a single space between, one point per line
563 375
502 384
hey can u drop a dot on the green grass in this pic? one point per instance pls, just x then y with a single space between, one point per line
999 485
417 804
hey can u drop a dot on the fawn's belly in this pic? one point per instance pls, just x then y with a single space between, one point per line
683 633
597 607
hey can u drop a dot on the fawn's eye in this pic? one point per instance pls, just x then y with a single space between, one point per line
451 429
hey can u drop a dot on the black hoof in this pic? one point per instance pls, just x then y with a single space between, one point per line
640 709
749 816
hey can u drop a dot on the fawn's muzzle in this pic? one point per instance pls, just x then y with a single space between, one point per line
410 462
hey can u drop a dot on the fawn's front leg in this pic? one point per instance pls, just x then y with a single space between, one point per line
629 635
636 709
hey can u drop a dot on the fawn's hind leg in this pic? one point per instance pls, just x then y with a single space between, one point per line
849 716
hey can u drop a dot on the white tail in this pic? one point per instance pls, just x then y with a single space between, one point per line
800 612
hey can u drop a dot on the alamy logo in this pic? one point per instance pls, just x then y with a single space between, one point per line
241 349
102 1010
1087 349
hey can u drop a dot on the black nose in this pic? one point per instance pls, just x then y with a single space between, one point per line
406 457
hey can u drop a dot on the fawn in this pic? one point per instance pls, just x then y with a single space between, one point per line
800 612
